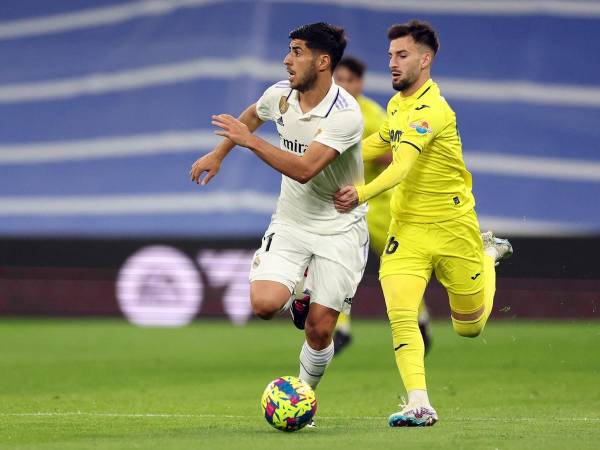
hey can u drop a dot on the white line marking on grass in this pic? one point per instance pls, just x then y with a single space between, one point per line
232 416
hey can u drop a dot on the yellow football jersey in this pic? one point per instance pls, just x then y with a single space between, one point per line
438 186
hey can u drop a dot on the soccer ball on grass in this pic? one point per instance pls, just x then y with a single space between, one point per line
288 403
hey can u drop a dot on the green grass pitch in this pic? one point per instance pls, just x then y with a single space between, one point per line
104 384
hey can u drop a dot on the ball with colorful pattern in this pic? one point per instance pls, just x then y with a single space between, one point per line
288 403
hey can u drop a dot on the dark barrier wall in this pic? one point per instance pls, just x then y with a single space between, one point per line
174 281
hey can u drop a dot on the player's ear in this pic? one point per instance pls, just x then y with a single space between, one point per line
323 62
426 59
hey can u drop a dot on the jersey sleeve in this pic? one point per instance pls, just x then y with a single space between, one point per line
384 130
390 177
342 130
422 126
267 105
373 147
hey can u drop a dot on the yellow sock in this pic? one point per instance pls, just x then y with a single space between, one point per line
471 312
489 286
343 323
403 294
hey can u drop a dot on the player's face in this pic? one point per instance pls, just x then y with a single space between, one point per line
349 81
406 61
301 66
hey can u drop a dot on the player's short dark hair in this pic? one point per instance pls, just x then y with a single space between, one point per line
421 32
324 37
354 65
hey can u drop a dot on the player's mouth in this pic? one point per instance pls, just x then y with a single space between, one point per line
291 75
396 75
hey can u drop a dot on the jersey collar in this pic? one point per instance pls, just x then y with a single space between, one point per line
323 109
422 90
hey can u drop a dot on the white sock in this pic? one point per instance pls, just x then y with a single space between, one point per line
287 305
313 363
418 397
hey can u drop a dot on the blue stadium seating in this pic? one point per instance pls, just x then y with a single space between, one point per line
134 84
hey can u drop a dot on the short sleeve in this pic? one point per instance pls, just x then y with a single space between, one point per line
341 130
423 125
267 105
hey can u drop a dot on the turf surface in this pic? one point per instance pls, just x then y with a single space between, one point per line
79 384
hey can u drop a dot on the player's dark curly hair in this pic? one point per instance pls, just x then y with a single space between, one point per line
324 37
354 65
421 32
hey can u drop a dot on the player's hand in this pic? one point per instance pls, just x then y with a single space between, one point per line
346 199
209 164
232 129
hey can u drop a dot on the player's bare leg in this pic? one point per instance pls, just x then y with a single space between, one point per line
268 298
317 350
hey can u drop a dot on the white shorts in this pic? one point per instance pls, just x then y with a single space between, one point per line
335 262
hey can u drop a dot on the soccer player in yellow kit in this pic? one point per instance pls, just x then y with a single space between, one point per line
349 73
434 225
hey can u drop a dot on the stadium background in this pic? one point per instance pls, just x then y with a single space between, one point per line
104 105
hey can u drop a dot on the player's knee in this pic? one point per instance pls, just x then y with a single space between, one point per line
402 318
263 305
470 330
468 324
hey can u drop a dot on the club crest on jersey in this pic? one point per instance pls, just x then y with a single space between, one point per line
421 127
283 104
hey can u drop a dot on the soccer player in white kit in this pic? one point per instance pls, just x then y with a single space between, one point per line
320 127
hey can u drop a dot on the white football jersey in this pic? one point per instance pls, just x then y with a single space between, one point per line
335 122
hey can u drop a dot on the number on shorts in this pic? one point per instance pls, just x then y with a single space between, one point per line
392 246
269 240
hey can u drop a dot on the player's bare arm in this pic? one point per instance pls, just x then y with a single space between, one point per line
301 169
211 162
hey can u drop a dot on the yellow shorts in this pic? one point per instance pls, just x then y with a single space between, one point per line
452 248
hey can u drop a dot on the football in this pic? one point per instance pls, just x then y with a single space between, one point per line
288 403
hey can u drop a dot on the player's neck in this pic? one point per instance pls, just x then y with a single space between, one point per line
423 78
311 98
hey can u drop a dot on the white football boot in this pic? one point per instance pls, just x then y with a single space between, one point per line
413 416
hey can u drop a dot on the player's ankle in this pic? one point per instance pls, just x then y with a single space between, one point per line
418 397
